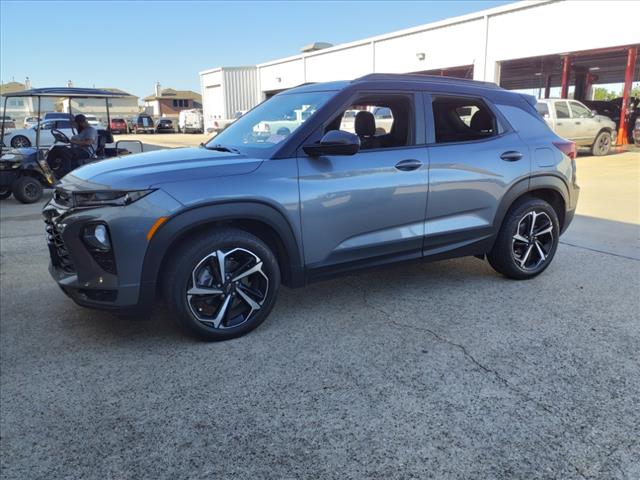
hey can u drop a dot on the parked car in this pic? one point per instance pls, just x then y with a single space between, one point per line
30 122
164 125
142 124
218 229
574 121
7 121
57 116
94 122
611 109
26 137
636 132
191 121
118 125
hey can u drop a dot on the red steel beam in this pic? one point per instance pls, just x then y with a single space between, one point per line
626 92
566 62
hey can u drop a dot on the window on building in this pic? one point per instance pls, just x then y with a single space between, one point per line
16 102
175 102
562 110
381 121
462 119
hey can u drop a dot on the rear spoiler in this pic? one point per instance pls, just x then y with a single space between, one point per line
530 99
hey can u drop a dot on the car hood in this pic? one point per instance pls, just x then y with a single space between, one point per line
152 169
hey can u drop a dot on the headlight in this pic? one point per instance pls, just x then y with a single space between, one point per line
108 198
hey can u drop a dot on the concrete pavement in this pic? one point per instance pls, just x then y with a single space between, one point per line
442 370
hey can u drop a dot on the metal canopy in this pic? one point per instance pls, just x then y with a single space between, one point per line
67 92
606 67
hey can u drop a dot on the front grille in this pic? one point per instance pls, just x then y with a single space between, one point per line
59 253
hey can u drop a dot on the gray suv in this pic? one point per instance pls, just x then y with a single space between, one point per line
284 197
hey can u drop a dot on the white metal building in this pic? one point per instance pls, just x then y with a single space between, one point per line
521 45
227 90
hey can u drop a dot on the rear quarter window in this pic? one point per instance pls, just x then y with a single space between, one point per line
526 122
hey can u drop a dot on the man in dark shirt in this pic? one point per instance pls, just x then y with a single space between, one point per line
64 159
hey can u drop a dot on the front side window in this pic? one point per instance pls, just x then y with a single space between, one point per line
259 131
462 119
579 111
381 121
562 110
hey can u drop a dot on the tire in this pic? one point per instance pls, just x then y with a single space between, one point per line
20 141
27 190
509 253
5 192
195 267
602 144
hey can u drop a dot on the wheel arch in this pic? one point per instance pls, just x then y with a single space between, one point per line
262 220
547 187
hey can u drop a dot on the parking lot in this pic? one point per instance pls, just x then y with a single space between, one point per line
424 370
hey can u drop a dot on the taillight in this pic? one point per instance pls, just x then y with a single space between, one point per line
567 147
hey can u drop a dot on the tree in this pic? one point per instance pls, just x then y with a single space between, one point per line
601 93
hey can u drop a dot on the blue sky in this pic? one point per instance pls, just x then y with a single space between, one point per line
131 45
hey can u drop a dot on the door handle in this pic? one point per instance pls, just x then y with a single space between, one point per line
578 123
559 123
408 165
511 156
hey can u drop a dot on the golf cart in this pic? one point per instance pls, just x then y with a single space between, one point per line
25 172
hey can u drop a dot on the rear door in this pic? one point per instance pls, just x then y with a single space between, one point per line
564 123
369 206
475 158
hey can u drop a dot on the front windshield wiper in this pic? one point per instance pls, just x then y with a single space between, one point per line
222 148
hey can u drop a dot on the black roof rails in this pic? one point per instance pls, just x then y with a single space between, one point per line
417 77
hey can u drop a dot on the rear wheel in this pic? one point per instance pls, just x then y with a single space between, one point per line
602 144
222 284
20 141
527 241
5 192
27 190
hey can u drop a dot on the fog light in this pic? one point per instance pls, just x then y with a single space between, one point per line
102 236
97 237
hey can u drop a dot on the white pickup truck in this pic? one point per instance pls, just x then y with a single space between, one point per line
574 121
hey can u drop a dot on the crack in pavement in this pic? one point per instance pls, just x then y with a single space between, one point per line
490 371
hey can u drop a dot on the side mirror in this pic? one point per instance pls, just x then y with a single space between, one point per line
593 113
334 142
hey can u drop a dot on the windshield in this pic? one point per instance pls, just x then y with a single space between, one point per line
260 131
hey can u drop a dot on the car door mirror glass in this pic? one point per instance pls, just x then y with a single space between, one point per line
593 113
334 142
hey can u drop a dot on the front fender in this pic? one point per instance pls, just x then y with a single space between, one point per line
177 226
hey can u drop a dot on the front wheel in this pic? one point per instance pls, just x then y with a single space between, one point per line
602 144
20 141
222 284
5 192
27 190
527 241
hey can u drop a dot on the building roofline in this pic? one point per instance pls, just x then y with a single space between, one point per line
218 69
412 30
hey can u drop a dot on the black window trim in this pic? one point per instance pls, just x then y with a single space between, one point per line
418 117
429 122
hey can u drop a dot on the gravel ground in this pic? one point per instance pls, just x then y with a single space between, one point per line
443 370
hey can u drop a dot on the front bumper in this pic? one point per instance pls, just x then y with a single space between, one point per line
80 273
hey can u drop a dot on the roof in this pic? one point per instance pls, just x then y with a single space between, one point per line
11 87
170 93
394 78
117 90
66 92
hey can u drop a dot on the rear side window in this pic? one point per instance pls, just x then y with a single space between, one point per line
543 109
462 119
562 110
